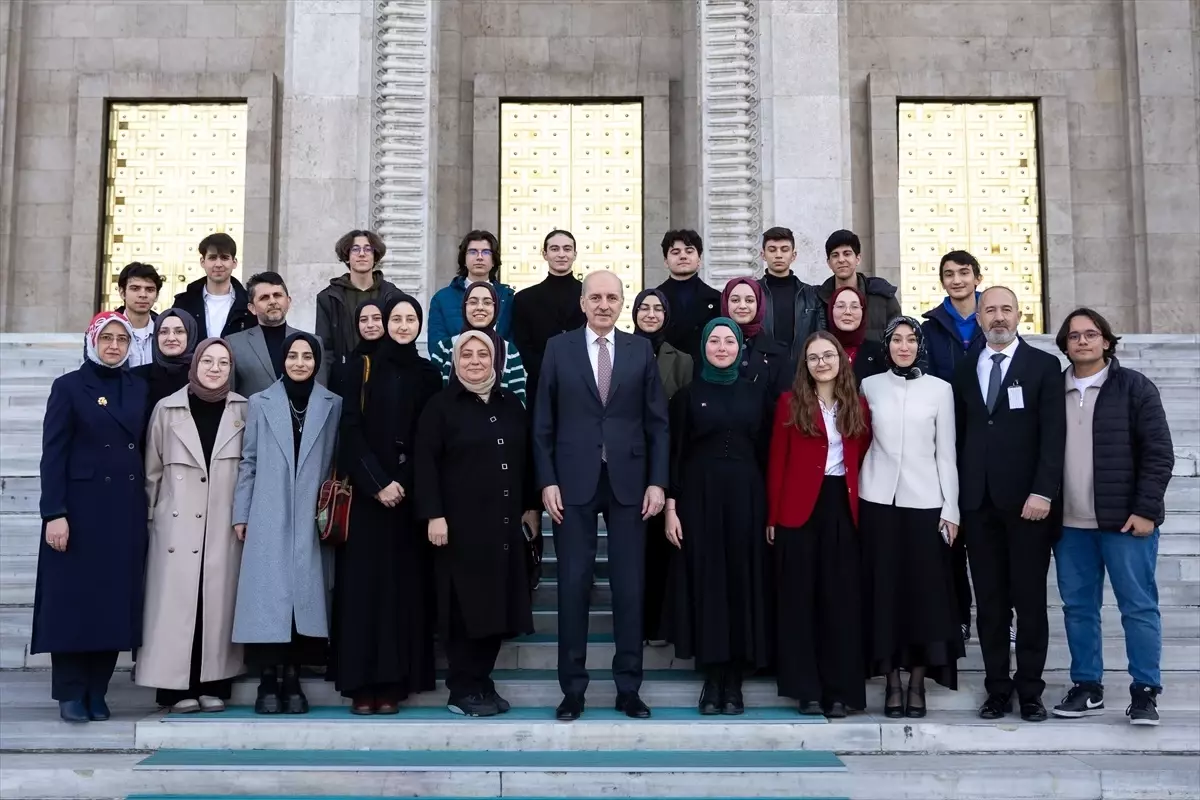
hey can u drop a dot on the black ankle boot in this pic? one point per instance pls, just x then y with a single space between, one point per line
267 701
733 704
711 700
294 701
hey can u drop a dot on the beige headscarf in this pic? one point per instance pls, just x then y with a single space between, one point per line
482 388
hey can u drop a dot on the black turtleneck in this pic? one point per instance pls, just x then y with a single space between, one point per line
274 336
541 311
783 307
207 416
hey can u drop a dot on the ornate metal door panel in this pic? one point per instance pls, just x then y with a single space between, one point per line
573 166
968 181
174 173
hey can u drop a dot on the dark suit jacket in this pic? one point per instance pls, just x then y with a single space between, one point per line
1010 454
572 426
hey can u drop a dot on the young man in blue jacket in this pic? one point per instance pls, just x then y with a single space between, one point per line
478 260
950 330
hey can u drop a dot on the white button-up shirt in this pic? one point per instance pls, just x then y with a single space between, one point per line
140 350
835 461
983 367
593 350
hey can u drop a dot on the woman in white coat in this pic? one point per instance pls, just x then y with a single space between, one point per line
291 435
193 448
909 518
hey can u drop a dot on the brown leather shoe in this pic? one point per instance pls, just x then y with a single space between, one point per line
363 705
387 707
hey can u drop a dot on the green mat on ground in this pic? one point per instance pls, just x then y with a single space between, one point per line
521 714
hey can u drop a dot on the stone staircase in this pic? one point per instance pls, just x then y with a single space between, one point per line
770 751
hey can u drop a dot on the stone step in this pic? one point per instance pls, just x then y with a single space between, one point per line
458 774
669 729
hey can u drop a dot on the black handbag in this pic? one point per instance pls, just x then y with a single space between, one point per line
534 547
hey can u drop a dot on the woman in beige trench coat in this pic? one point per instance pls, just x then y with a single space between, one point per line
193 448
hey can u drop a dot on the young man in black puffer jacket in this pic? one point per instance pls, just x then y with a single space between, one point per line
842 254
1118 463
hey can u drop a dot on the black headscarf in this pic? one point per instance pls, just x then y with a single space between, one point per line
909 372
366 347
298 391
391 350
181 362
659 336
499 349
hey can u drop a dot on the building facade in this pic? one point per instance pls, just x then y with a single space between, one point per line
1056 140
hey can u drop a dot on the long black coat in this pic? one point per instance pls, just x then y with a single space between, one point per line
89 597
473 469
1132 456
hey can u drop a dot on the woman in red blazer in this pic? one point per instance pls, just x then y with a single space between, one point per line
818 441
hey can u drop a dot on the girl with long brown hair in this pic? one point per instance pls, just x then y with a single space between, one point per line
818 441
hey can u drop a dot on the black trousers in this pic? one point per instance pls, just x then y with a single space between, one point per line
1009 559
470 661
658 559
222 688
78 676
575 547
962 583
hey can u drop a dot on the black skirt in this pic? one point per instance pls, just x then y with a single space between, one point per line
819 630
911 614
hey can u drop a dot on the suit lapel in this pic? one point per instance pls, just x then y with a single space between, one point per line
279 419
1014 376
314 421
185 431
228 428
584 361
258 343
623 353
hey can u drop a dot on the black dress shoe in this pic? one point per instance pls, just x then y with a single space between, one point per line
710 699
734 704
268 704
502 705
811 708
996 706
1032 710
570 709
632 706
837 710
97 709
73 711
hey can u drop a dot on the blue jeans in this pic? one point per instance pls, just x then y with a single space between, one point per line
1081 557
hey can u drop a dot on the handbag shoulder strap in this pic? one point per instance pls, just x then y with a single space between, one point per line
366 376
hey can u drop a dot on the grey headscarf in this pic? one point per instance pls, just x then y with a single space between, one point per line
184 359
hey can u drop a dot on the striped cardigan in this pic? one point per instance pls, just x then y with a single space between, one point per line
512 379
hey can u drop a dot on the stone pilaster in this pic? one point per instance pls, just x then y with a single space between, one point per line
325 153
1161 92
11 28
730 197
805 128
405 142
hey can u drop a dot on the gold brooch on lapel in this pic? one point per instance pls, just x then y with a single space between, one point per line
103 401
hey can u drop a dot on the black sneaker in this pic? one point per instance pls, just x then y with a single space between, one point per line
502 705
1143 708
1083 700
475 705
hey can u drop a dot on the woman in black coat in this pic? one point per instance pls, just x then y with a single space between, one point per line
474 486
87 606
174 341
716 516
384 638
347 372
848 324
763 360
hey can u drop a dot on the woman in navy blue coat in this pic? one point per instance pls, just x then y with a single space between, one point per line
88 603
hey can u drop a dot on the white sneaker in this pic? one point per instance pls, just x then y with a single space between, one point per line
188 706
1012 637
211 704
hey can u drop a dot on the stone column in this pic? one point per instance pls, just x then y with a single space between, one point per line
11 30
805 128
1162 96
325 146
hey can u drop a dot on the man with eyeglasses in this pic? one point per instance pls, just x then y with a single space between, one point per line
478 260
1118 463
361 251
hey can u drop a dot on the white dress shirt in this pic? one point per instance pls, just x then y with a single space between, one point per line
140 350
983 367
593 349
216 311
912 458
835 461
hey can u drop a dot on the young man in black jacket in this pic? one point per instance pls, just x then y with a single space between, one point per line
1118 463
842 254
218 302
794 311
693 302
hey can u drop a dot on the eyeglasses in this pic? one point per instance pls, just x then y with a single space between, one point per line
480 301
484 252
209 363
821 358
108 338
1087 336
362 248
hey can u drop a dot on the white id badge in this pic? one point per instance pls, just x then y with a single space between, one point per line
1016 398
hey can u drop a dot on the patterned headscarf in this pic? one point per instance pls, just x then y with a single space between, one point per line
720 375
914 370
92 337
752 327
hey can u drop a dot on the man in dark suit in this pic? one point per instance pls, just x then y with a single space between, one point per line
1011 419
600 447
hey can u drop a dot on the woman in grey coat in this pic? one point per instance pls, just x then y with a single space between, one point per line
291 435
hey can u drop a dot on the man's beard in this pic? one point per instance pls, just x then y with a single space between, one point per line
999 336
